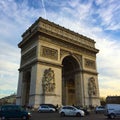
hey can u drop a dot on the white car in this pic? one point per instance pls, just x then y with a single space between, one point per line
71 111
45 108
112 110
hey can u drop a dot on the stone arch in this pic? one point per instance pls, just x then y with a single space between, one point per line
70 80
77 57
65 52
26 87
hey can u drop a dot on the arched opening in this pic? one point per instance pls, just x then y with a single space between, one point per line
70 71
26 87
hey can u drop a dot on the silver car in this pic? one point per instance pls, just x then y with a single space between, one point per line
71 111
45 108
99 109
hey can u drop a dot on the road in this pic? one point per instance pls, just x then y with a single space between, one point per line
56 116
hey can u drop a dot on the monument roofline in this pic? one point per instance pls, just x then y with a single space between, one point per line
49 28
40 19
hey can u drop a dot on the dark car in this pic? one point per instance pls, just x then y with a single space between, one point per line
14 111
51 106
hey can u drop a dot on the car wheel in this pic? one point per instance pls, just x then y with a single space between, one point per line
24 118
108 116
62 114
78 115
3 118
51 110
112 116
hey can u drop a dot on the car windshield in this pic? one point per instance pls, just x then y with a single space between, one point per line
70 108
21 108
44 106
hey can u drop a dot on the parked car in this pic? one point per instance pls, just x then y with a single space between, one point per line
112 110
46 108
99 109
71 111
85 110
51 106
14 111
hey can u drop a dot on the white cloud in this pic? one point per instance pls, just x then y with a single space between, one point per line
109 66
109 86
74 15
108 58
9 64
109 14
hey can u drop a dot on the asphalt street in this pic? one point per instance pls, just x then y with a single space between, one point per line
56 116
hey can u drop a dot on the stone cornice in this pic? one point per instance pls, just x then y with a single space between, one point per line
42 26
44 62
28 38
93 97
89 72
28 65
43 23
47 94
67 40
70 46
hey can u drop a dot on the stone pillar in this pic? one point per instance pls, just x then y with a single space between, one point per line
23 95
34 87
79 89
19 90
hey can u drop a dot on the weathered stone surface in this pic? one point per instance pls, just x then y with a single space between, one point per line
57 66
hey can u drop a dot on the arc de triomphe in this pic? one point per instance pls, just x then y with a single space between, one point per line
57 66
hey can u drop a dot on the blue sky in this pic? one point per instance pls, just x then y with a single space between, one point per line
97 19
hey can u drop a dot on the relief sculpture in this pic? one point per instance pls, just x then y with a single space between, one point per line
92 89
48 81
49 53
90 64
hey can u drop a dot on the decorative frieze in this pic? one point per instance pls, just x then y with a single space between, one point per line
79 57
49 53
89 63
29 44
63 53
28 56
67 33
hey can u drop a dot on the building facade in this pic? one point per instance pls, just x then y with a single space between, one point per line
57 66
113 99
8 99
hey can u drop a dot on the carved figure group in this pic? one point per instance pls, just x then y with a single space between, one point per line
48 81
92 89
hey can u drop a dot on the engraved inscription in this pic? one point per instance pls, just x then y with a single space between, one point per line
49 53
90 64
